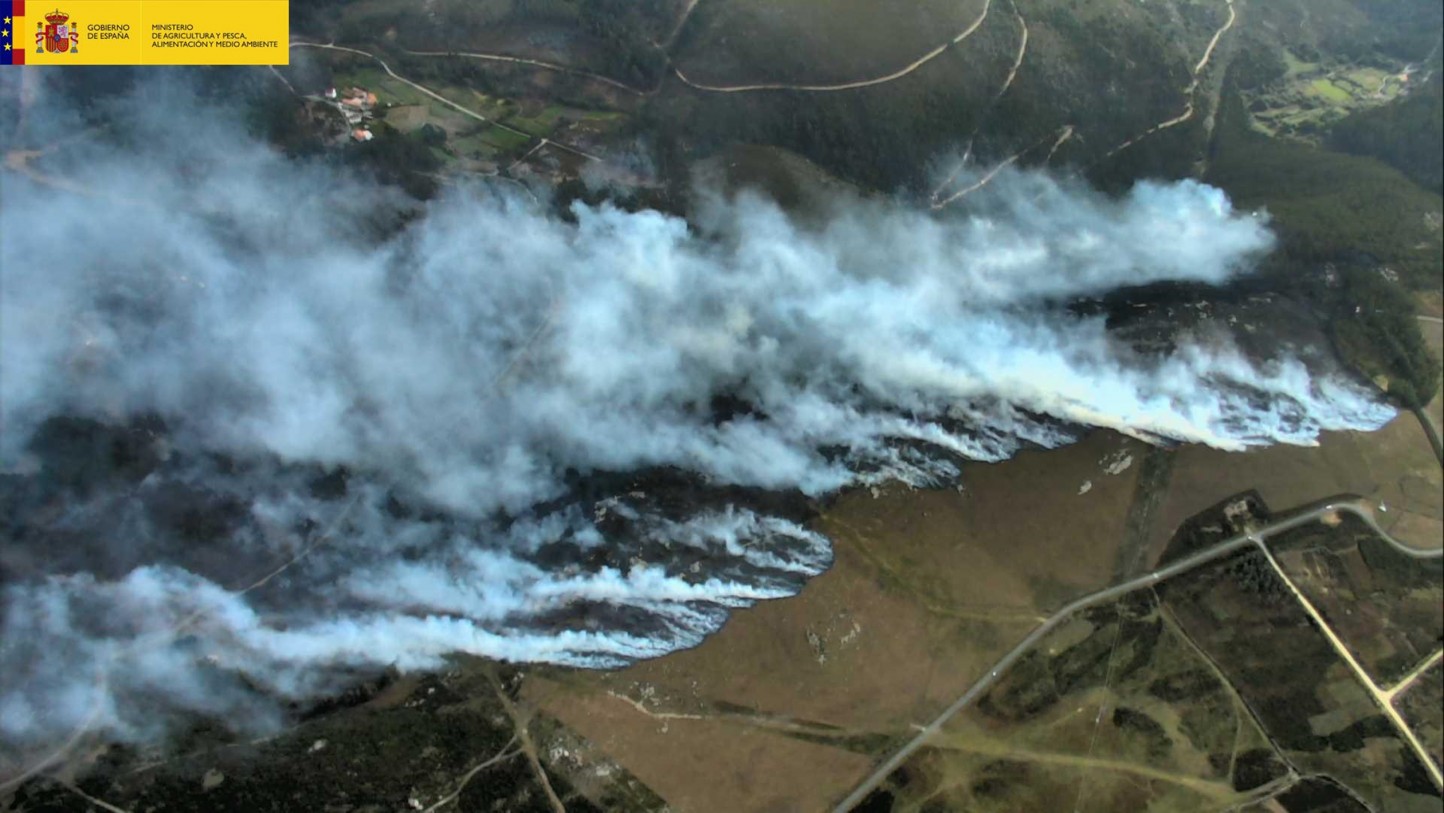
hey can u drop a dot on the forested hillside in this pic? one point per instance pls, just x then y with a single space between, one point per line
1405 134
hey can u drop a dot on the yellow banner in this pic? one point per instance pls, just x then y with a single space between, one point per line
154 32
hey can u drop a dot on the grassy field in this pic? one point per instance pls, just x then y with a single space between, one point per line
1328 91
845 658
390 92
360 72
476 145
538 119
1310 96
708 765
469 139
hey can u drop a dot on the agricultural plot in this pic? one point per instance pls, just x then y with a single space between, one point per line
1243 617
511 127
1114 711
1313 95
1388 608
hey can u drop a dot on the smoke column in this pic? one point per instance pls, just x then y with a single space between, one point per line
220 367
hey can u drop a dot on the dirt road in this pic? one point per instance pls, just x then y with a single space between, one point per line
861 83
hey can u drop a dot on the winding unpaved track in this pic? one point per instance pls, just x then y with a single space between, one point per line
1212 44
22 162
1063 137
861 83
1022 51
1188 92
100 803
1162 125
521 721
940 203
1256 538
664 46
937 193
506 752
1425 419
1085 764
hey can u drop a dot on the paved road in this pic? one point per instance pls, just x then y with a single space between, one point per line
1425 419
1431 431
1408 680
1184 565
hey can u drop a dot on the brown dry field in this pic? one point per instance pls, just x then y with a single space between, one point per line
707 765
1394 466
929 588
901 665
1019 534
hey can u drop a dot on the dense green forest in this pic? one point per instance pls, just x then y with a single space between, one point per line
1377 232
1407 133
1080 70
624 26
404 159
1373 327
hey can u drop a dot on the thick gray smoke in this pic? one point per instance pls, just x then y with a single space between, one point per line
452 432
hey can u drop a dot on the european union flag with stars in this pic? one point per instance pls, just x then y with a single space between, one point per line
12 51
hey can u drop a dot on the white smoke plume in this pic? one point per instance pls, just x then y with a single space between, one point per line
474 373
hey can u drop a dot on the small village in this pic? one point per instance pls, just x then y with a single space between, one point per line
357 106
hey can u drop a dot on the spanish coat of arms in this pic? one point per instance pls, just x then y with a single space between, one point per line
57 34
